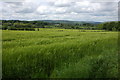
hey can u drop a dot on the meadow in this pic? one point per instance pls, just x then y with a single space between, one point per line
59 53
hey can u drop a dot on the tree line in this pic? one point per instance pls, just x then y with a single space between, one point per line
31 25
22 25
110 26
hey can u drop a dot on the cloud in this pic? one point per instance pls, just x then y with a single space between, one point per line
26 8
63 3
81 10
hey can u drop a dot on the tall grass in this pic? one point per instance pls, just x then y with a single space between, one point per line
56 53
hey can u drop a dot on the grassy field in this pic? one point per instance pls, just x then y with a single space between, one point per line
60 53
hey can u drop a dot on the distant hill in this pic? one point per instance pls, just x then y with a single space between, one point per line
61 21
69 22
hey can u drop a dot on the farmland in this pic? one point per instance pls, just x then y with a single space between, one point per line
60 53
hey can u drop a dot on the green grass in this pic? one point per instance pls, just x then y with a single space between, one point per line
60 53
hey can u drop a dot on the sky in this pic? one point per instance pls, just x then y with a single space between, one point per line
74 10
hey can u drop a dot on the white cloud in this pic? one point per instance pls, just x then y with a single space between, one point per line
82 10
63 3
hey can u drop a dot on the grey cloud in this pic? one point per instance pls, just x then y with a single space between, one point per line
21 7
62 5
26 10
47 9
109 6
15 3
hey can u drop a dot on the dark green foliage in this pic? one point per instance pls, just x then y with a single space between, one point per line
22 25
16 24
110 26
